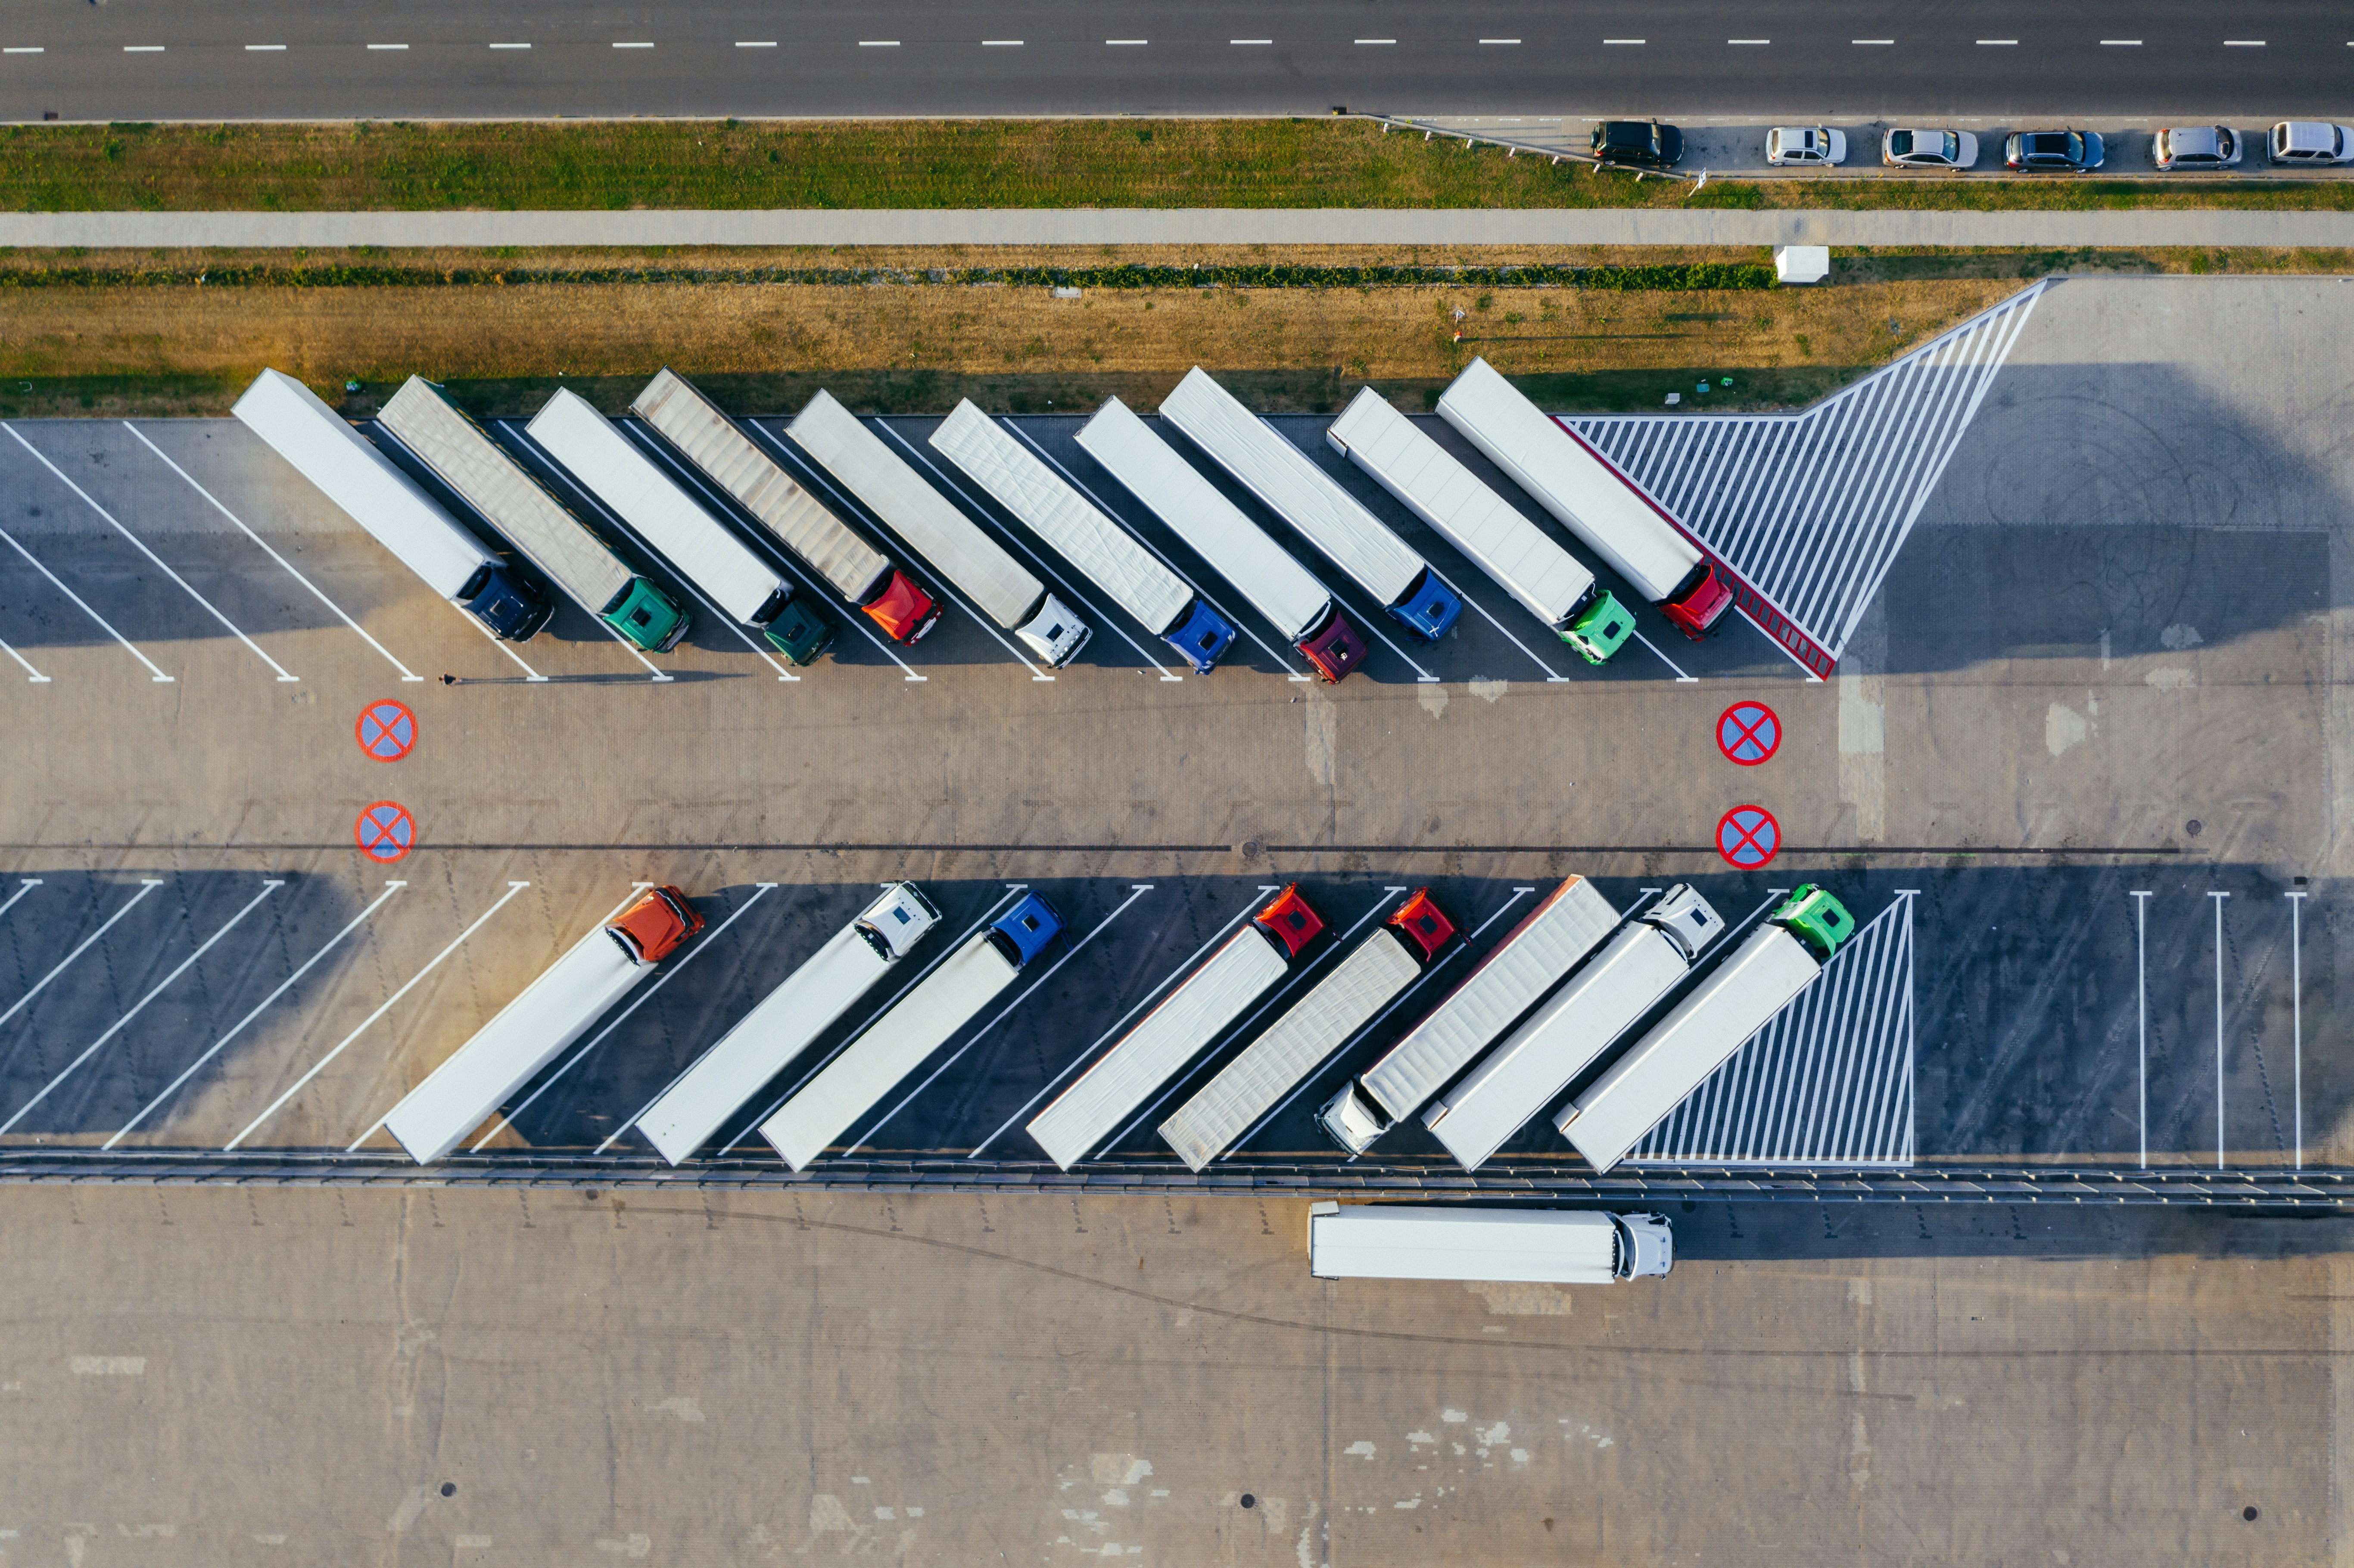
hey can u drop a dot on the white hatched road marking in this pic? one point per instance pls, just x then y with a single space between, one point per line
147 885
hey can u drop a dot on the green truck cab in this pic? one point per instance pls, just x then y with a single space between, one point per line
1599 629
1816 919
646 616
798 630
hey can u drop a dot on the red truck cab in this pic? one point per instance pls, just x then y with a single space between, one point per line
652 928
1333 650
1290 921
1700 603
1419 921
903 610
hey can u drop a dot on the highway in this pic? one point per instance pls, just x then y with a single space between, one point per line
275 60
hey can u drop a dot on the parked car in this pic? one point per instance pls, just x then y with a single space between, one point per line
1929 149
2195 147
2312 142
1804 145
1638 145
2055 152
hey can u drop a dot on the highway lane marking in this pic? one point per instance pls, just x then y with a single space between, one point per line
1001 43
510 46
760 890
2244 43
116 1028
31 50
512 888
32 676
1873 43
1126 43
756 43
406 673
2120 43
61 587
1629 42
147 885
1377 40
388 46
143 48
283 674
1251 43
1500 40
1998 43
633 46
1748 40
878 43
265 48
239 1027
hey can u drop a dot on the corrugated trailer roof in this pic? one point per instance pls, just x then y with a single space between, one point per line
1396 1241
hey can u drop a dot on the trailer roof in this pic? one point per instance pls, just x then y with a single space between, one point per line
1390 1241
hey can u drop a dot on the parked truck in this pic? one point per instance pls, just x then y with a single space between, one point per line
715 444
919 1023
1216 530
1566 925
1572 1028
1007 592
1588 496
1549 583
617 472
1106 554
374 493
530 1032
1534 1246
1287 481
568 551
1371 977
1737 999
1184 1025
787 1022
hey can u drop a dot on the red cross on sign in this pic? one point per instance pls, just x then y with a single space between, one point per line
1748 733
386 730
1748 836
384 832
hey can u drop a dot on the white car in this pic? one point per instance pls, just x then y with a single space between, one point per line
1804 145
2195 147
2312 142
1929 149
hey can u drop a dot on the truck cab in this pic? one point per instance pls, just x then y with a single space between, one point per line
1334 650
1290 921
646 616
1816 919
1418 920
795 627
1685 918
1029 929
1055 634
1202 637
1699 602
653 927
895 922
1351 1121
501 599
903 610
1647 1247
1599 626
1430 608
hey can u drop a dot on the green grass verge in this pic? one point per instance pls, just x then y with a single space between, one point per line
930 163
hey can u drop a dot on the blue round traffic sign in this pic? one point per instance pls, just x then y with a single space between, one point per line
384 832
1748 733
1748 836
386 730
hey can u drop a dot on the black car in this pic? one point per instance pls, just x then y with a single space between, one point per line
2066 152
1638 145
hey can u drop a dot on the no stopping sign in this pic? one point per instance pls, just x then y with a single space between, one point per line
1748 733
1748 837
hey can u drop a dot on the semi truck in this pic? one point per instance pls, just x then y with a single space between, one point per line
1215 529
919 1023
1533 1246
1574 1026
1549 582
1567 924
1588 496
1287 481
1183 1024
1007 592
705 551
568 551
710 440
1739 997
1106 554
374 493
1372 976
787 1022
530 1032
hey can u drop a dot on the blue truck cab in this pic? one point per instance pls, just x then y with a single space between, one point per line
1430 607
501 599
1026 932
1202 636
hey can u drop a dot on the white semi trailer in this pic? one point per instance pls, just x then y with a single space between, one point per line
1006 590
531 1031
1400 949
1549 583
731 575
919 1023
1566 925
481 473
1288 483
1532 1246
373 491
1179 1029
1588 496
1104 554
1737 998
1572 1028
1277 587
787 1022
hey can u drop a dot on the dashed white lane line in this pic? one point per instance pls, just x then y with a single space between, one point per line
1377 40
140 1006
1998 43
756 43
140 545
388 46
878 43
1749 41
1507 41
1628 42
1001 43
510 46
406 672
1251 43
1873 43
84 606
633 46
1126 43
2244 43
147 885
143 48
265 48
2120 43
27 50
239 1027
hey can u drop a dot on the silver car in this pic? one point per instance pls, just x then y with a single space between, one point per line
2195 147
1929 149
2310 142
1806 145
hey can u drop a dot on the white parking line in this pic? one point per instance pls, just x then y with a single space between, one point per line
2141 1014
84 607
103 512
2296 1014
1681 679
319 1066
2219 898
406 673
239 1027
1172 978
1137 890
116 1028
32 676
1552 675
23 884
147 885
760 890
